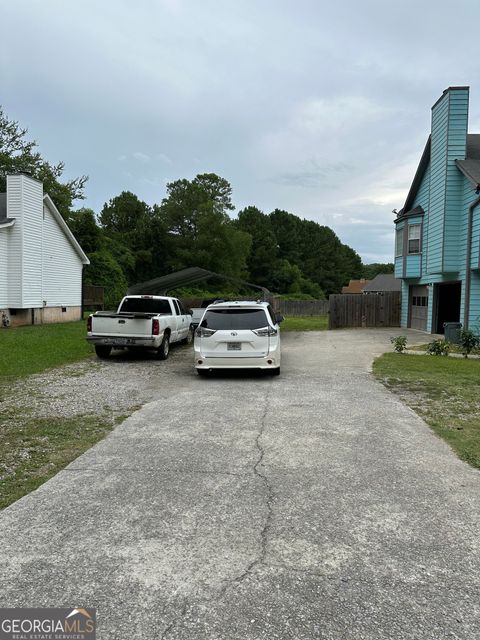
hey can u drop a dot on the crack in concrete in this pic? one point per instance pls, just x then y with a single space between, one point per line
171 625
260 560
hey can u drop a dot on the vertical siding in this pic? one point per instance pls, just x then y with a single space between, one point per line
62 267
15 241
4 238
32 214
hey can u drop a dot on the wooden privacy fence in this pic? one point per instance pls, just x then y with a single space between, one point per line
285 307
364 310
301 307
93 297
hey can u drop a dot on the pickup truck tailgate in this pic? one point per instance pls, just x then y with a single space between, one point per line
125 325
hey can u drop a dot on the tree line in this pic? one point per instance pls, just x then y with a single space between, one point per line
130 241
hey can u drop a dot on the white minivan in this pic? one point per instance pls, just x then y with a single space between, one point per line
234 335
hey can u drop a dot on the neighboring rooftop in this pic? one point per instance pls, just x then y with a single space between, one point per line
355 286
383 282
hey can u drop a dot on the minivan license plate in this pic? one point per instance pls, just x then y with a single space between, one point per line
234 346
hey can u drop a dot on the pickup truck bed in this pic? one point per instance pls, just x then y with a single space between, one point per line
165 321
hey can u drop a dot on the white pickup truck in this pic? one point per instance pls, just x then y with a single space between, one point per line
141 322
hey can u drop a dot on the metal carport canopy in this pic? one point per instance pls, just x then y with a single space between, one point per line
163 284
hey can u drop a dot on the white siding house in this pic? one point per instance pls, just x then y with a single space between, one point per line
40 261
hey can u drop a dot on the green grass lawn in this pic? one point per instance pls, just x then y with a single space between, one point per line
305 323
27 350
445 392
32 448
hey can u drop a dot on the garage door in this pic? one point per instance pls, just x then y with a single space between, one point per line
418 307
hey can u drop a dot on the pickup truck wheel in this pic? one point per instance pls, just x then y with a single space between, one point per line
102 351
189 338
164 348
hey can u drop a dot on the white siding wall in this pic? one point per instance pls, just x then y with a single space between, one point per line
4 233
15 241
32 217
62 267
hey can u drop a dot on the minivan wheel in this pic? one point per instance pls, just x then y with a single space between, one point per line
275 372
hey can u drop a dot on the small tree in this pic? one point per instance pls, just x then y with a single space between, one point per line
399 343
468 341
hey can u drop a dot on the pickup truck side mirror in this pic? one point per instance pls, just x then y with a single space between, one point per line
279 318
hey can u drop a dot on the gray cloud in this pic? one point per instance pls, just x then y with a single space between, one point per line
319 108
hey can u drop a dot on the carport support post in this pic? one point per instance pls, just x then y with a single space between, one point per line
468 264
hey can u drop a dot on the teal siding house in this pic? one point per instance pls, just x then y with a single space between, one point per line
437 243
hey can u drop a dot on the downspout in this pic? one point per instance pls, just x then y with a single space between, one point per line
468 263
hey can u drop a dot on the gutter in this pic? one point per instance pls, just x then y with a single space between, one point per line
468 263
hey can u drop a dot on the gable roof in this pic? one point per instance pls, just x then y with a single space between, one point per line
422 167
384 282
470 167
64 227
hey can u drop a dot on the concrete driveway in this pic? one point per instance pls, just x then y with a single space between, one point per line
314 505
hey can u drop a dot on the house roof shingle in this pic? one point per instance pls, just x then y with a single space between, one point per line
383 282
355 286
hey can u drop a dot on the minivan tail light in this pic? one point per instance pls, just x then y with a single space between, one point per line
155 327
203 332
89 324
265 331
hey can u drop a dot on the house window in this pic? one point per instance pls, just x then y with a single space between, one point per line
399 243
414 233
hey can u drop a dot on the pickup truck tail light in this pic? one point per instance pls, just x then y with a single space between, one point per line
89 324
155 327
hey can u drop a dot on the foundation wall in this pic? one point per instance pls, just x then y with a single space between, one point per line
41 315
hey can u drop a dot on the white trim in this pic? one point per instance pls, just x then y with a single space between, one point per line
5 225
64 227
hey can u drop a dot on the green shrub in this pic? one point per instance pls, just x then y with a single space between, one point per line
438 348
468 341
399 343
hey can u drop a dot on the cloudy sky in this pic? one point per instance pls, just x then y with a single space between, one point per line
319 108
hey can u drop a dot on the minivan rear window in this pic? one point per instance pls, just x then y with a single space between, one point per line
219 319
145 305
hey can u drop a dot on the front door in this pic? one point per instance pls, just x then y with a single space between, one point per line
418 307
